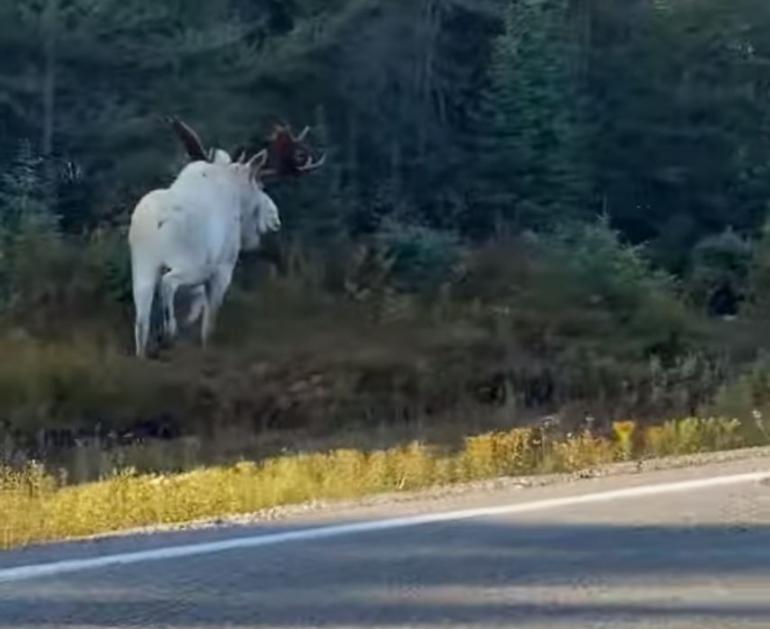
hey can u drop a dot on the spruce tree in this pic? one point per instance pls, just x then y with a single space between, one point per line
533 143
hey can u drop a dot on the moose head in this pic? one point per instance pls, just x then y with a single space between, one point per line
287 155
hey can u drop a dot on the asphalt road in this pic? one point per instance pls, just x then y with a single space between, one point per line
698 558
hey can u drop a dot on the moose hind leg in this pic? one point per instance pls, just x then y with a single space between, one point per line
198 303
168 292
170 283
143 298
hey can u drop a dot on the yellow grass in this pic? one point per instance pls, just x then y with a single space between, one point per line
35 507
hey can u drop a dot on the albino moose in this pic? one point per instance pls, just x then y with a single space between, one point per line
191 233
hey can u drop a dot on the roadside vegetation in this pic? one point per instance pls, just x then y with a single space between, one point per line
37 507
522 232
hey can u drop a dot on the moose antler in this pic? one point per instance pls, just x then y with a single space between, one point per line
311 164
239 154
286 149
189 138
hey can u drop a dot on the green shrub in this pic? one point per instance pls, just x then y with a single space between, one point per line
719 262
423 258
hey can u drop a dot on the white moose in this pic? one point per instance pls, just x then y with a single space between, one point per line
191 233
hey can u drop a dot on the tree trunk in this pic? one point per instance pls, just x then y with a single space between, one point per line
50 24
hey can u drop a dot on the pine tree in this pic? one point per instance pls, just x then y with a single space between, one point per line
533 149
93 100
678 90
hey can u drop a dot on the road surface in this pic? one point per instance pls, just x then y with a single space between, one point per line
693 555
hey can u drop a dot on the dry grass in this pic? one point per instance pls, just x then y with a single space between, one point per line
37 507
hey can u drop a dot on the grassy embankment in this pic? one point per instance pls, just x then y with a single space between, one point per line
574 324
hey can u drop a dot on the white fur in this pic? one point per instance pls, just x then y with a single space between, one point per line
191 234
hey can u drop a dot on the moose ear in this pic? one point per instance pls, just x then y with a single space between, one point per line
257 163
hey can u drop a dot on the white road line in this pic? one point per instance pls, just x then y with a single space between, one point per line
21 573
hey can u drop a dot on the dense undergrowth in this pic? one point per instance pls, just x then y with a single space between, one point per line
408 334
530 324
358 368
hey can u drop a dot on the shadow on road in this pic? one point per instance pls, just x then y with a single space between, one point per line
450 574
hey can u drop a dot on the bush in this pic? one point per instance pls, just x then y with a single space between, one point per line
581 282
718 272
48 275
54 283
610 274
571 320
77 385
423 258
759 276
